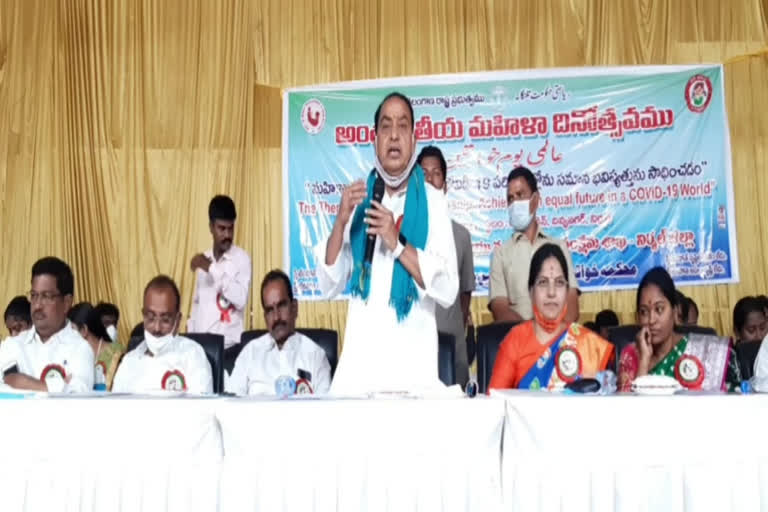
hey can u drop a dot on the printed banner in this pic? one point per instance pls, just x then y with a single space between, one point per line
633 165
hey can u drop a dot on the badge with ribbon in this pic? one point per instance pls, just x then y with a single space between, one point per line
285 386
225 308
568 364
689 371
100 377
303 387
174 381
54 376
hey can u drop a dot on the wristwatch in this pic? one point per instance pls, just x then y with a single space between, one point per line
401 243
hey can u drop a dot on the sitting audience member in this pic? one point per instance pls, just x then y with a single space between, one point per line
605 320
764 302
163 360
693 312
107 354
109 316
52 356
696 361
17 316
282 352
548 352
749 320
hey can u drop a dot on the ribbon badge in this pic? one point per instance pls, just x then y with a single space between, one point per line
52 373
689 371
225 308
174 381
568 364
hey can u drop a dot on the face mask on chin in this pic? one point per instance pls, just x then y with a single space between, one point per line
112 332
394 181
157 344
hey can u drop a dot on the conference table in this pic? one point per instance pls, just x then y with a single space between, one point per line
510 451
687 452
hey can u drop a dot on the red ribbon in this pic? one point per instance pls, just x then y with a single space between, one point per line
225 317
399 223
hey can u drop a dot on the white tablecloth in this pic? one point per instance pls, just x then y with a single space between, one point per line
361 455
635 453
109 454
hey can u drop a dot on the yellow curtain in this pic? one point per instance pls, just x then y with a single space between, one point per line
120 119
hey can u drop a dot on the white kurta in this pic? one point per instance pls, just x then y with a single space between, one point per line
230 278
260 364
66 349
380 353
140 372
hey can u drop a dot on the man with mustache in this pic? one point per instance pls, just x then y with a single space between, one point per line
391 335
163 361
223 278
52 356
282 352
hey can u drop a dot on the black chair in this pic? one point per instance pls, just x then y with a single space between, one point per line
695 329
446 358
138 331
747 353
213 344
327 339
620 337
471 345
489 338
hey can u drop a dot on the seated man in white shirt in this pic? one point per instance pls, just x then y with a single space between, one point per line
164 360
282 352
52 356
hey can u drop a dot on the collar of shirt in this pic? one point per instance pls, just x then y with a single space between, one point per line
172 347
518 235
289 342
33 336
224 256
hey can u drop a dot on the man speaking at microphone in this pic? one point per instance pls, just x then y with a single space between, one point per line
391 336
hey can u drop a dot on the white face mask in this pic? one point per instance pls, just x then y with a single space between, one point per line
112 332
156 344
520 215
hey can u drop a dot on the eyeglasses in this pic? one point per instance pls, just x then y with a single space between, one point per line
543 283
44 298
279 308
166 320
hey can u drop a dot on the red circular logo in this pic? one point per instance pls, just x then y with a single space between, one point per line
313 116
174 381
568 364
698 93
689 371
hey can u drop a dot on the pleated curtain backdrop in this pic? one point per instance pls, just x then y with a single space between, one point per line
120 119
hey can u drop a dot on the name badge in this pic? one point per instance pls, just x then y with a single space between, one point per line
303 387
54 376
689 371
174 381
568 364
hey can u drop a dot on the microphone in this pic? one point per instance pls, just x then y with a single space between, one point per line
370 242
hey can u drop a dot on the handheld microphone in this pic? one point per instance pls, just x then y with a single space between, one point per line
370 242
